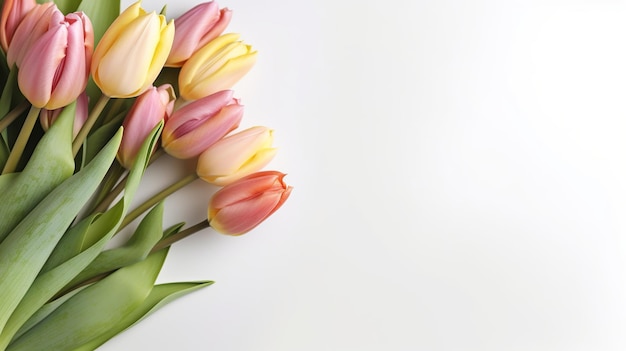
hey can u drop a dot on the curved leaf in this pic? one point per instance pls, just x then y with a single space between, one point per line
159 296
26 249
80 320
51 163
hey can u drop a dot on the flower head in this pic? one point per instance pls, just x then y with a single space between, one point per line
132 52
241 206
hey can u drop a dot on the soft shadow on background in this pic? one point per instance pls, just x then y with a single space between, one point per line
460 183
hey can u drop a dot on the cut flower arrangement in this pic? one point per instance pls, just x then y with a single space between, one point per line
91 96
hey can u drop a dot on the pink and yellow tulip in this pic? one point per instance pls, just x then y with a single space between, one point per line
34 24
150 108
13 11
196 126
55 68
196 28
241 206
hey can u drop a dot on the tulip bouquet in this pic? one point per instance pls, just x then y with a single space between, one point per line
91 96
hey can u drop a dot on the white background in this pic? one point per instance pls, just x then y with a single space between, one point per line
460 183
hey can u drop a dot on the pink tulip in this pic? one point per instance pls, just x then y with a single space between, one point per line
55 68
198 125
47 117
13 11
36 22
195 28
236 156
241 206
149 109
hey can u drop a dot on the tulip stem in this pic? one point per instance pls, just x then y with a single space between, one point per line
166 242
12 115
22 140
108 199
157 198
91 120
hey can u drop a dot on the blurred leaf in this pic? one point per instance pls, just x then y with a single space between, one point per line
66 6
27 247
7 93
51 163
159 297
80 320
102 14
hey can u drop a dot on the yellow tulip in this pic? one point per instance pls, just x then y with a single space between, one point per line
216 66
236 156
132 52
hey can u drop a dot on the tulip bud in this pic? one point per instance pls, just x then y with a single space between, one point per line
196 126
216 66
55 68
13 11
149 109
47 117
34 24
131 53
241 206
236 156
196 28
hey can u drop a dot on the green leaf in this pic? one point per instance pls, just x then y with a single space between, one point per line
26 249
66 6
95 309
159 296
101 13
71 245
7 93
79 247
45 311
99 137
51 163
148 233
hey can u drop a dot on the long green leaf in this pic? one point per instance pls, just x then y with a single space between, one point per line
95 309
51 163
26 249
86 241
148 233
45 311
159 296
7 93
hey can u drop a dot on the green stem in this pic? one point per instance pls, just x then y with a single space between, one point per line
12 115
117 104
22 140
166 242
157 198
111 179
91 120
106 201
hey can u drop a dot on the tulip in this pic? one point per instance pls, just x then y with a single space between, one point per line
55 69
195 28
13 11
236 156
149 109
132 52
47 117
196 126
34 24
216 66
241 206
